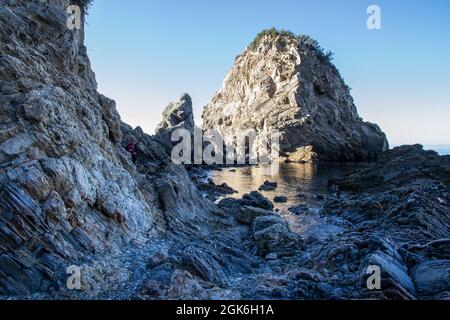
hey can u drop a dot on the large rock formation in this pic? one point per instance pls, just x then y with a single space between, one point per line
65 191
287 83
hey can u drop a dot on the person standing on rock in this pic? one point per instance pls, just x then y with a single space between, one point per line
132 149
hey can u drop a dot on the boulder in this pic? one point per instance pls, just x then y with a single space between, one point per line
280 199
302 155
432 277
273 235
256 199
268 186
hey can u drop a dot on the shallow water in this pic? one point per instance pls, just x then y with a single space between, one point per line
301 183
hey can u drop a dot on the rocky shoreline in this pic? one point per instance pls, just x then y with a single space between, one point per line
395 214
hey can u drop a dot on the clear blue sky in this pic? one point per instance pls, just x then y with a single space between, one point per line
146 53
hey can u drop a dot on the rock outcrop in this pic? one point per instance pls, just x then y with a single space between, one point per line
66 194
178 115
287 83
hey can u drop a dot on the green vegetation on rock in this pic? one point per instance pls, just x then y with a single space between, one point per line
303 40
83 4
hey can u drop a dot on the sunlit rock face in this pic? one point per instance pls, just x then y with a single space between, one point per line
65 192
287 83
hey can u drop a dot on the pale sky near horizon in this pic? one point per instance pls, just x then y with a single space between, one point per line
147 53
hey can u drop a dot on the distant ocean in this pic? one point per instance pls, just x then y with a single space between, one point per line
442 150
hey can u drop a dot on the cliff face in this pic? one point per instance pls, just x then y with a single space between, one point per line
69 193
65 192
287 83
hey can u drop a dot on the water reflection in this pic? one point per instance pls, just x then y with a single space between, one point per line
301 183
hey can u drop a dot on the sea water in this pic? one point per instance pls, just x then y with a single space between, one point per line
300 183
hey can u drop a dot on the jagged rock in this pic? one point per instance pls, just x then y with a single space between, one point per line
256 199
401 203
214 190
432 277
394 269
69 192
178 115
398 167
264 221
287 83
246 214
204 263
111 117
253 199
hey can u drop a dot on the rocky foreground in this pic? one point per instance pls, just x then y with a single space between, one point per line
70 196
